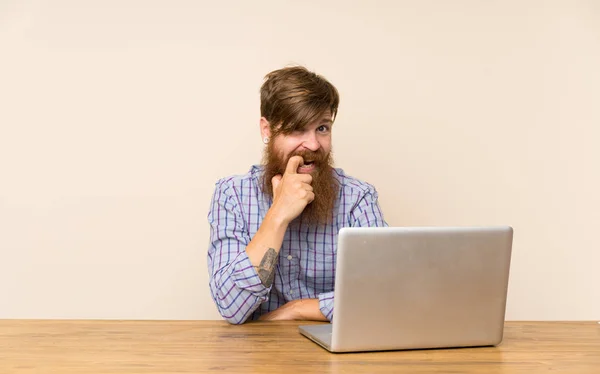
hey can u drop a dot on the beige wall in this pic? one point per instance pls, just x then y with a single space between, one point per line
117 117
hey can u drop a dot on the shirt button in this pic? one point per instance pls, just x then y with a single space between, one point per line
291 292
289 257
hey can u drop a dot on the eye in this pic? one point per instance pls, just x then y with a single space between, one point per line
323 129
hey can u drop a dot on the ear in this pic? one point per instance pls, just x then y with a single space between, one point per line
265 128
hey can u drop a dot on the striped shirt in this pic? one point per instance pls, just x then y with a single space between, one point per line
307 258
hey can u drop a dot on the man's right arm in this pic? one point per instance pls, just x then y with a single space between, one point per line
241 270
234 283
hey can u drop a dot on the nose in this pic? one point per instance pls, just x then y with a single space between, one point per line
310 141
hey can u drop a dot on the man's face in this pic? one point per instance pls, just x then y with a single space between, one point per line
313 143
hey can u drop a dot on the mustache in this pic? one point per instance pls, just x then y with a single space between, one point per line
317 157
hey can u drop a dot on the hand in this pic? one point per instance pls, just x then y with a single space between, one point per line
301 309
292 192
286 312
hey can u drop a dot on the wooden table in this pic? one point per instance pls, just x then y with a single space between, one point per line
275 347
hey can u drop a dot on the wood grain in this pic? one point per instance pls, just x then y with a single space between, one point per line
126 347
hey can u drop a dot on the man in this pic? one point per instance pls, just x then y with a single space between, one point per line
273 237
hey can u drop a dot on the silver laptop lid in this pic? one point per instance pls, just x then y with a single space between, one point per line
403 288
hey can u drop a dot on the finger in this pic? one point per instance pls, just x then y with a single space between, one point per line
305 178
293 164
310 197
275 182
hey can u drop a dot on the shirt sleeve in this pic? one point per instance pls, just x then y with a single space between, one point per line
366 213
234 284
326 304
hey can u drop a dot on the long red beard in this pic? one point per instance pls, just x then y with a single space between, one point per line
325 186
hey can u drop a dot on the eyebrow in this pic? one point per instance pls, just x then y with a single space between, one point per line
327 121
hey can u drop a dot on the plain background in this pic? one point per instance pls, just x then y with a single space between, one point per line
118 117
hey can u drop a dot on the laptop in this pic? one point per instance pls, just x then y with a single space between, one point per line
400 288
